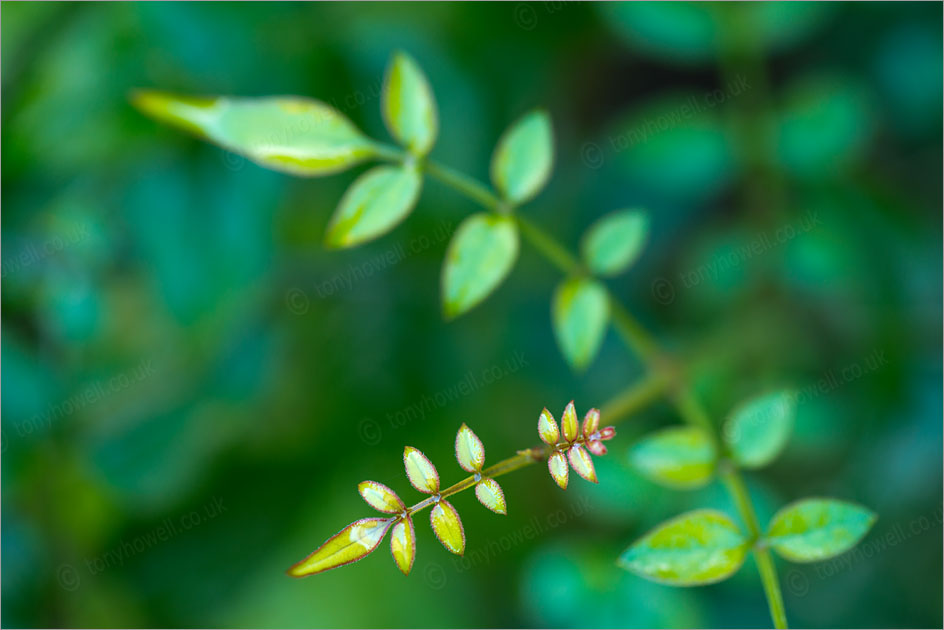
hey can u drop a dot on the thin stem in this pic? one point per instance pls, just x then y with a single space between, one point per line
545 244
768 576
468 186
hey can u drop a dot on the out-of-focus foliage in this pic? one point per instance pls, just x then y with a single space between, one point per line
194 385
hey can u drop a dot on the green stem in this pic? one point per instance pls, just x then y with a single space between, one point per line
545 244
464 184
768 576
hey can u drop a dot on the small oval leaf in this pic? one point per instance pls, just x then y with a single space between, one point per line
375 203
380 497
678 457
580 313
817 529
349 545
290 134
570 427
695 548
523 158
591 423
420 471
448 527
480 255
759 429
612 244
403 544
408 105
557 465
582 463
469 450
490 494
547 428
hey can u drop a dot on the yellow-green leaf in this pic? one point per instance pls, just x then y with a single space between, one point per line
469 450
420 471
759 429
613 243
408 105
591 423
523 158
557 465
490 494
817 529
580 312
403 544
482 252
349 545
695 548
448 527
681 457
581 462
375 203
290 134
569 424
380 497
547 428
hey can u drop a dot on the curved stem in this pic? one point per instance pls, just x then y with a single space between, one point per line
468 186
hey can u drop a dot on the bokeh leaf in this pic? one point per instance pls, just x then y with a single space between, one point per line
447 527
420 471
403 544
523 158
349 545
817 529
380 497
490 494
580 313
480 255
615 241
470 453
695 548
374 204
289 134
677 457
408 106
758 430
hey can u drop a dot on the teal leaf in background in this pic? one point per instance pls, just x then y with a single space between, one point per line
289 134
614 242
408 106
482 252
817 529
524 157
681 457
580 313
758 430
374 204
698 547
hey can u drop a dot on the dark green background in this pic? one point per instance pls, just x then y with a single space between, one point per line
177 343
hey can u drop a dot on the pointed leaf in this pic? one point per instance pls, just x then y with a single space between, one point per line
759 429
580 313
591 423
816 529
596 447
375 203
290 134
695 548
613 243
569 425
490 494
547 428
408 106
482 252
582 463
469 450
448 527
523 158
349 545
380 497
403 544
420 471
677 457
557 465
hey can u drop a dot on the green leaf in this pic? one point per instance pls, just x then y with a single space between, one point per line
677 457
352 543
614 242
580 313
480 255
695 548
759 429
816 529
522 161
374 204
290 134
408 105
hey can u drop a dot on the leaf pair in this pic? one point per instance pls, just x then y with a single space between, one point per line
575 445
470 453
706 546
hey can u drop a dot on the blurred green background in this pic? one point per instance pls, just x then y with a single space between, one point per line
193 386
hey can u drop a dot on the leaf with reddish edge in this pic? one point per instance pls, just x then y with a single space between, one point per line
547 428
420 471
596 447
591 422
380 497
469 450
349 545
581 462
403 544
447 527
607 433
490 494
557 464
569 425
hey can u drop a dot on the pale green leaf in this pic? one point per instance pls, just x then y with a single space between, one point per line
580 313
695 548
380 497
447 527
759 429
290 134
560 471
480 255
523 158
403 544
349 545
613 243
816 529
470 453
676 457
490 494
408 105
420 471
374 204
547 428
